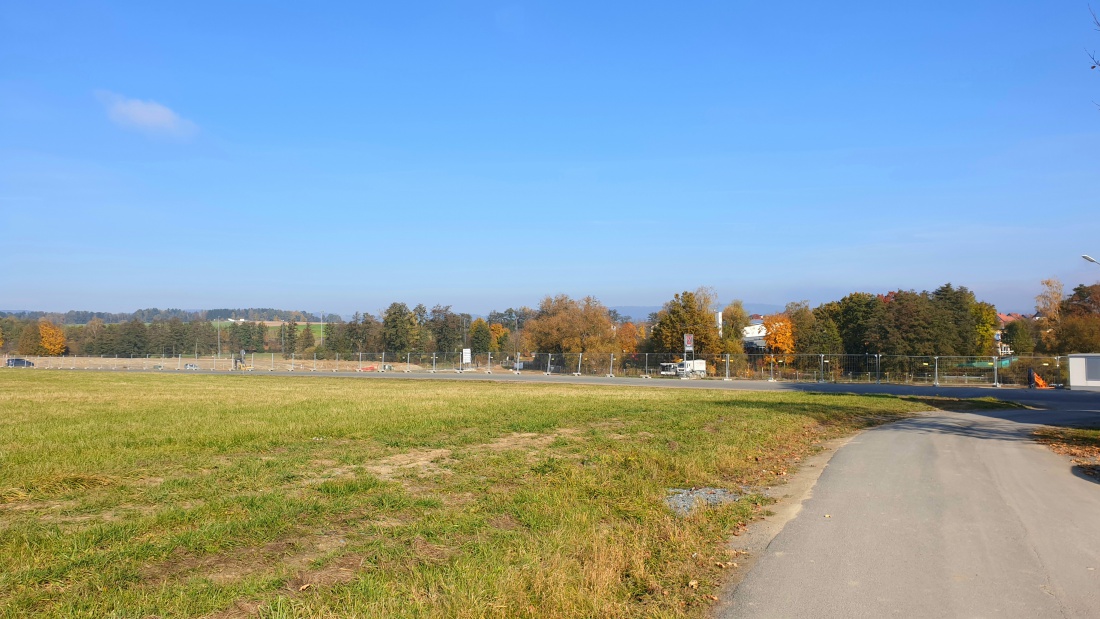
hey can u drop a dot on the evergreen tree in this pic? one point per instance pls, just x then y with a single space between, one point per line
290 338
133 339
306 340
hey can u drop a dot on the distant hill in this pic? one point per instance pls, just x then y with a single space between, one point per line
642 312
80 317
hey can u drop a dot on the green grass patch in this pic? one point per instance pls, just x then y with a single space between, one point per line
134 495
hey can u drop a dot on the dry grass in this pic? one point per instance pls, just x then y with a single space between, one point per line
153 495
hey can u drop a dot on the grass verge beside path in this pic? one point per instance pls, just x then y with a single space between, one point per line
135 495
1082 445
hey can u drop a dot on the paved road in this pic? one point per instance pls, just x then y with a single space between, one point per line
947 515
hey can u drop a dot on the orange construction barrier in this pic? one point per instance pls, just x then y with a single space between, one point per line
1040 383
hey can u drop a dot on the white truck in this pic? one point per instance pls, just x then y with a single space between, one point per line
696 368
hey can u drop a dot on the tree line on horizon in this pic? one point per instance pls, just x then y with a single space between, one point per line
153 314
947 321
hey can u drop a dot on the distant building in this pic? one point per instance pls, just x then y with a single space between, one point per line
753 336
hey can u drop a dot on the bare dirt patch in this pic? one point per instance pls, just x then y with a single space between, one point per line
294 555
504 522
421 462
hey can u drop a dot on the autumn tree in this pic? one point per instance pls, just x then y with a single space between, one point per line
1 336
499 337
1078 326
1082 301
1079 334
985 329
1048 307
779 337
687 312
565 325
51 339
627 337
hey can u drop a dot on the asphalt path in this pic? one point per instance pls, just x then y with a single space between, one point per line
944 515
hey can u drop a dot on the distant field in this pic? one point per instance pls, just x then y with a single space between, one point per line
136 495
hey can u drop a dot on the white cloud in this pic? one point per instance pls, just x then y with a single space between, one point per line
148 117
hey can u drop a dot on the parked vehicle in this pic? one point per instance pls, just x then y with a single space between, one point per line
20 363
696 368
190 366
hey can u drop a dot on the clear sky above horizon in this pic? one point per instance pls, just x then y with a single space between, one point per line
341 156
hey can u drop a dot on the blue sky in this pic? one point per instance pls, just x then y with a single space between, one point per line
339 157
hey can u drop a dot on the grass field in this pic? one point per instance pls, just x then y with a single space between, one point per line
137 495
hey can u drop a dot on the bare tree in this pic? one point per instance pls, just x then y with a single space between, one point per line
1096 23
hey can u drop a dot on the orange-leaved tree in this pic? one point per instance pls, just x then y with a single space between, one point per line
51 339
499 336
628 335
780 335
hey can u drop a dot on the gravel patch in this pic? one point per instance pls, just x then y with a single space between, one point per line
683 500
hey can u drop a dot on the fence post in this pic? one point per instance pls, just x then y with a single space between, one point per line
408 362
646 365
314 362
936 376
821 377
727 367
996 383
611 367
771 372
433 363
489 369
878 368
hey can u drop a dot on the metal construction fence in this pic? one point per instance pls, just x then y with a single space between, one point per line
798 368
